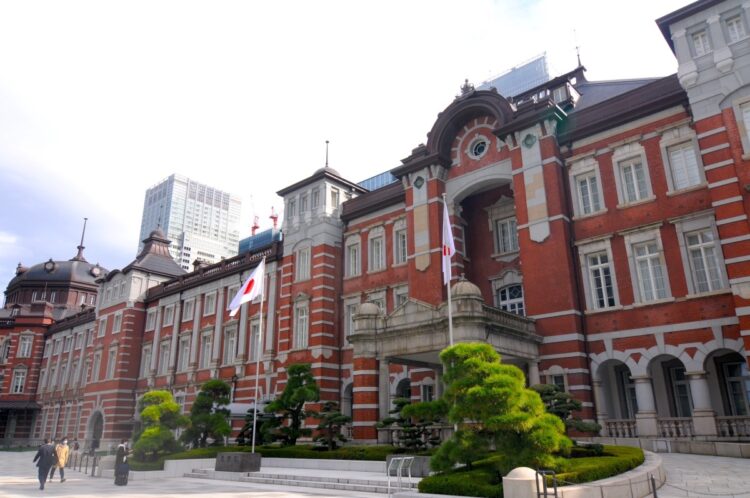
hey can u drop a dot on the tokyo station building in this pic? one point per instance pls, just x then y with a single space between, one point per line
602 241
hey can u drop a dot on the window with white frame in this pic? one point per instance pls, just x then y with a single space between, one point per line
315 199
183 358
151 319
303 204
146 360
350 310
376 249
399 242
254 337
52 296
117 322
63 376
292 208
303 264
506 235
600 279
510 298
378 299
701 45
19 381
685 171
168 316
102 326
5 350
67 344
188 310
86 373
650 271
24 346
163 357
209 304
588 193
111 363
735 28
73 381
95 367
705 259
352 256
58 346
633 180
335 196
400 295
301 325
206 345
79 340
42 380
52 381
230 345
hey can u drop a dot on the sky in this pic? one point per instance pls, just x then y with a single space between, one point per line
100 100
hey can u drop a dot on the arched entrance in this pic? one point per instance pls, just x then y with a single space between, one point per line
95 430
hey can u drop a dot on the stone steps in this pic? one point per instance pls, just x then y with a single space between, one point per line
379 485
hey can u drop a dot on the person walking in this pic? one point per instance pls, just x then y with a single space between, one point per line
122 468
62 451
76 451
45 458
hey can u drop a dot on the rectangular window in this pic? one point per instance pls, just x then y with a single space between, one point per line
24 347
79 340
399 254
102 326
73 374
163 357
188 310
303 204
558 380
376 254
684 166
19 379
400 296
745 111
700 43
209 305
52 297
117 323
588 193
292 208
300 326
704 261
315 199
600 277
351 310
650 271
633 179
428 392
334 198
352 260
230 346
111 363
506 235
145 361
206 344
254 346
735 28
303 264
67 344
183 357
96 366
168 316
151 319
42 380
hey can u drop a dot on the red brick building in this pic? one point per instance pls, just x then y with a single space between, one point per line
603 245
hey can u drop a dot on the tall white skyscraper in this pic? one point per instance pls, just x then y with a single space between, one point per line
201 221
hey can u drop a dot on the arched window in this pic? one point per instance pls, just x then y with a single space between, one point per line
403 389
510 298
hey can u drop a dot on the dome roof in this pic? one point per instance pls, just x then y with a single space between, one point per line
368 309
464 288
327 169
74 271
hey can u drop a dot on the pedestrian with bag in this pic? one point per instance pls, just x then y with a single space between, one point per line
122 468
62 451
45 458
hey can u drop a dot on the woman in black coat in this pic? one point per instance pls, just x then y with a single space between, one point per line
122 469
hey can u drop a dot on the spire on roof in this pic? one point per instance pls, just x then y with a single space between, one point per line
467 87
326 153
81 247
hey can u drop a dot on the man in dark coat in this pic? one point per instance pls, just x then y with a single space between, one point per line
46 458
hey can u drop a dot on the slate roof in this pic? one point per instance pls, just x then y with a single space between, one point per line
154 257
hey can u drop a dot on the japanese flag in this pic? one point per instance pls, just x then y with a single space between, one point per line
252 288
449 248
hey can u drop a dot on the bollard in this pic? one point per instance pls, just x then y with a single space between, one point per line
653 486
520 483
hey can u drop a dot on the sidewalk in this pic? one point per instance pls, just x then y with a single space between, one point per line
698 476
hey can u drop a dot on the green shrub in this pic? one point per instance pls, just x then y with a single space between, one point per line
589 450
615 460
476 482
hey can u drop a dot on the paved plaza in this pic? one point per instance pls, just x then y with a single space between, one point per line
692 476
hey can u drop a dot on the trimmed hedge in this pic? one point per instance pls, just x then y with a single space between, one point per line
482 479
373 453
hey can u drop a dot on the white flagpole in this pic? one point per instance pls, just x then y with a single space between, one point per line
448 285
257 353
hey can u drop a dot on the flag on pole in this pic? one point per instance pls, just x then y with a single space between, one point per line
252 288
449 248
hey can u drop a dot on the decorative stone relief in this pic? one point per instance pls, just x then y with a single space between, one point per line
533 177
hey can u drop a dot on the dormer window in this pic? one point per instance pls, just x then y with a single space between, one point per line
560 94
701 44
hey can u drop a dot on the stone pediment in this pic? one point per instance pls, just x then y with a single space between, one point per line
413 311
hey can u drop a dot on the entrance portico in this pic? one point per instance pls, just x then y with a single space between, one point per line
415 334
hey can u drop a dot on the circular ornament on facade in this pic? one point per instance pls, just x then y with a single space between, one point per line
529 140
419 182
478 147
49 266
96 271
